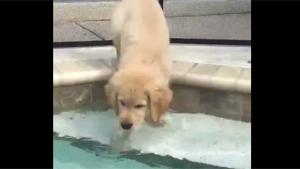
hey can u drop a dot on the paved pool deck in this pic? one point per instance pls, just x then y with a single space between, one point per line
76 20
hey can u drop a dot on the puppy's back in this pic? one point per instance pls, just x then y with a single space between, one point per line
140 20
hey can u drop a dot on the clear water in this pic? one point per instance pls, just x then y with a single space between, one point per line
86 139
70 153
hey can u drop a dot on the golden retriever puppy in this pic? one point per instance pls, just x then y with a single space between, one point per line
139 89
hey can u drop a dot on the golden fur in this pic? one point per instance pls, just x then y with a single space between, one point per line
139 90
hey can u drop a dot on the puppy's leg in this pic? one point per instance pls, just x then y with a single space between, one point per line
160 123
117 21
117 45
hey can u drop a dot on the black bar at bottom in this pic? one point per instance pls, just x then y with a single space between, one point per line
173 40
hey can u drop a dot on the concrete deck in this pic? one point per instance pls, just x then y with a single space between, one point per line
202 19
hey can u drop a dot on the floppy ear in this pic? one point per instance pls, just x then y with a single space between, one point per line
112 96
159 99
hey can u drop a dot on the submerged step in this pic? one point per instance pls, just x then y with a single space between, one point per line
195 137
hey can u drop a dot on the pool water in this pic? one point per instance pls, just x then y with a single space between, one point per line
86 139
70 153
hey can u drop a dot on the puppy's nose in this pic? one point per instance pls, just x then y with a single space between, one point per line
126 126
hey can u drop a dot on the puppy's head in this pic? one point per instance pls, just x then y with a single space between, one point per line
135 98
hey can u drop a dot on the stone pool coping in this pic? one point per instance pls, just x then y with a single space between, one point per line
186 73
77 69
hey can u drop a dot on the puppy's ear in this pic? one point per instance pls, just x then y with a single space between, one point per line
159 100
112 96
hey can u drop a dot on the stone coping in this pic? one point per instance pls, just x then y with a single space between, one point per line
72 69
221 55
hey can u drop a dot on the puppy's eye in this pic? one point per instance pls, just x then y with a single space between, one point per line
122 102
138 106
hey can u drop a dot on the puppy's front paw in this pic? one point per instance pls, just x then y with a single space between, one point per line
160 123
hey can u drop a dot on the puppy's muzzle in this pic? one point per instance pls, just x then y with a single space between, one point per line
126 126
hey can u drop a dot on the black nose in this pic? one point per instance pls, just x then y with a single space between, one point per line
126 126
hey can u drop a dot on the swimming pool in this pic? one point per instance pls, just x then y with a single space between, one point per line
86 154
87 139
